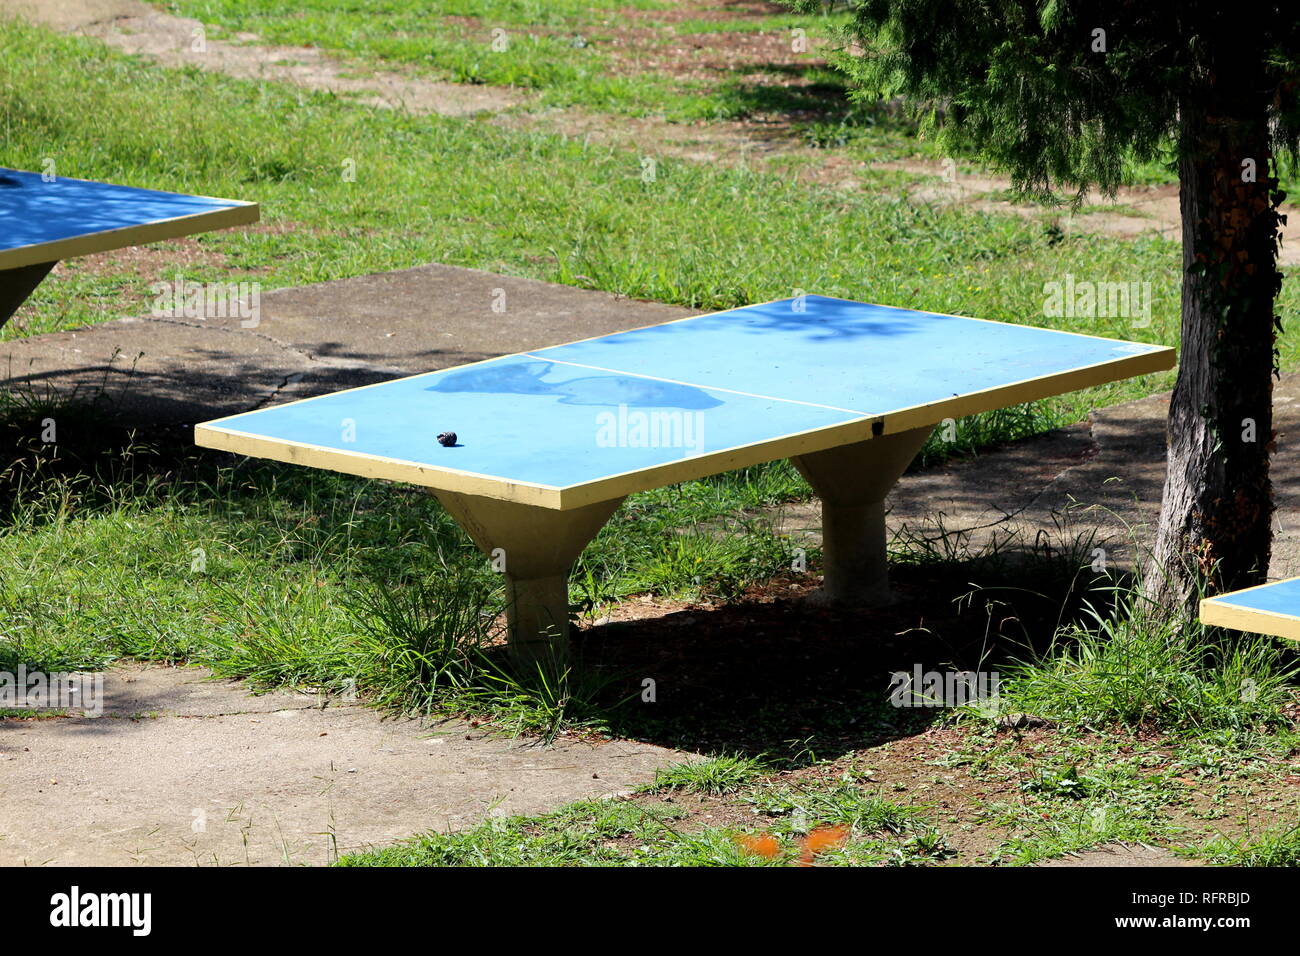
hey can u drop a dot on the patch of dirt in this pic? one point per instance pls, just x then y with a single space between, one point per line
728 143
766 56
164 259
1132 212
173 41
722 10
772 676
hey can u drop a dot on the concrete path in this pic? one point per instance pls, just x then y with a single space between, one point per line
314 339
183 771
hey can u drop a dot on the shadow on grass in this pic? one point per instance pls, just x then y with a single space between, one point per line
813 95
775 676
80 443
766 675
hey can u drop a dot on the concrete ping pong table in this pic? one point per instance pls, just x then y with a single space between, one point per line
551 441
1272 608
44 219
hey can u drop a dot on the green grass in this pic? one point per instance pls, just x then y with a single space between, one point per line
1077 792
567 53
834 803
1132 667
576 836
625 833
726 774
562 53
409 16
1278 847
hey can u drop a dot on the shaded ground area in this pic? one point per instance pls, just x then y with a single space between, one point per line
313 339
183 771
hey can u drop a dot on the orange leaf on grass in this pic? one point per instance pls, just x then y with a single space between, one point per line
758 844
820 840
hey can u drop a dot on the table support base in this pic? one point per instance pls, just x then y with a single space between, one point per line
535 548
17 284
852 482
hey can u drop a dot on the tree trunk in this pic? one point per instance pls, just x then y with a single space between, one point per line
1215 522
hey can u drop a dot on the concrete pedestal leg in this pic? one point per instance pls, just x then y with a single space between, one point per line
852 482
17 284
536 547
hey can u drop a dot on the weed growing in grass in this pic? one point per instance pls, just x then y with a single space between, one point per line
1060 783
1278 847
544 700
1135 666
725 774
841 803
964 437
64 444
717 563
425 638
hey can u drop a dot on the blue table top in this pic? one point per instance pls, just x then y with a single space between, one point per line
1280 597
35 213
761 378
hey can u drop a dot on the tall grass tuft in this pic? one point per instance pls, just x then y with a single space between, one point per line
1270 848
1135 665
425 638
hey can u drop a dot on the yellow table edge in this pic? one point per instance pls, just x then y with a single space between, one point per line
238 213
1252 620
214 435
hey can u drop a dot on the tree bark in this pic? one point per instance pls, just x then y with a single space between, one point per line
1215 523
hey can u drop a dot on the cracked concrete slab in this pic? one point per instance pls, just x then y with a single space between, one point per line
314 339
182 770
